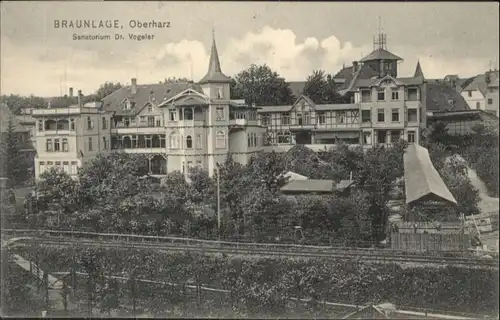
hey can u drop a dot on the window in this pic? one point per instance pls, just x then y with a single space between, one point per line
65 145
189 165
198 141
220 95
220 140
366 96
283 137
104 123
366 116
104 143
142 119
72 124
58 164
219 113
66 166
151 121
40 125
162 141
395 115
490 101
198 163
150 108
478 105
48 145
172 115
90 144
411 137
174 141
380 115
74 167
189 142
265 119
307 118
149 141
340 115
382 136
41 167
381 95
395 95
57 145
321 118
183 167
90 124
469 93
249 140
367 138
285 119
158 122
412 115
412 94
188 113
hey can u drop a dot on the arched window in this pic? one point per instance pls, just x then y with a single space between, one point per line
220 140
189 142
174 141
127 142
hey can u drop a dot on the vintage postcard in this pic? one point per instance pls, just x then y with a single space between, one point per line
207 159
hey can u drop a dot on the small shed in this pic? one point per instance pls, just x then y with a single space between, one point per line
317 187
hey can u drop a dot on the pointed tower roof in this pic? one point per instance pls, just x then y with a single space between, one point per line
214 73
418 71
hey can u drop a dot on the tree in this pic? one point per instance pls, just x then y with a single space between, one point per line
16 102
14 165
106 89
262 86
321 88
176 80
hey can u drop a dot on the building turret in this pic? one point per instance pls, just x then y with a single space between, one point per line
418 71
381 60
215 84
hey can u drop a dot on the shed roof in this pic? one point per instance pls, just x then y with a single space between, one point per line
422 181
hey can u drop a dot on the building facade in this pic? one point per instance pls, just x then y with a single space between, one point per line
482 92
384 107
67 138
176 125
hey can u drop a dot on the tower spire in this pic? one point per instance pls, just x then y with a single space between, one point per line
418 70
214 73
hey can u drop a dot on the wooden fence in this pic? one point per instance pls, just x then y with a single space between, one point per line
430 241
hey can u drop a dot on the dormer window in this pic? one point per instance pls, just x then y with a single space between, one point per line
127 105
150 108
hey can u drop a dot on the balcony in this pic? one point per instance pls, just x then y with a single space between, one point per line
238 122
146 128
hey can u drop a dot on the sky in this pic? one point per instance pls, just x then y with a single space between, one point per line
293 38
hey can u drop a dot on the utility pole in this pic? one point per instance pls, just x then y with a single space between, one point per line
218 199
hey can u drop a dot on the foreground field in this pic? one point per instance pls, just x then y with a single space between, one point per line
265 285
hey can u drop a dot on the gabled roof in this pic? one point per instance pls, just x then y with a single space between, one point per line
306 98
144 94
422 181
478 83
188 93
440 96
418 71
365 73
378 82
380 54
214 73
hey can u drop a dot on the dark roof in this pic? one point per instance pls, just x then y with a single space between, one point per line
214 73
418 71
440 96
478 83
144 94
422 181
306 186
365 72
380 54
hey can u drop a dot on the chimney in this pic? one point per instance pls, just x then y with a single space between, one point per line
354 66
133 87
71 92
79 98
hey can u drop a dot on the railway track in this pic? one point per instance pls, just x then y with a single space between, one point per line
331 254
